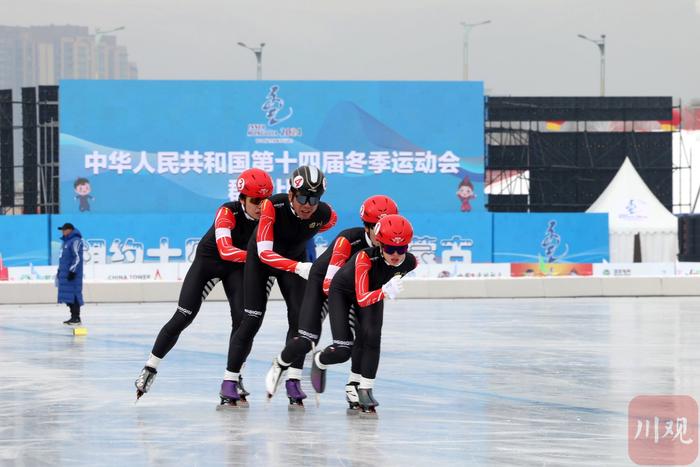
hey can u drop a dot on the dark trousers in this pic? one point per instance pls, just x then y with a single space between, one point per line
201 278
257 275
364 344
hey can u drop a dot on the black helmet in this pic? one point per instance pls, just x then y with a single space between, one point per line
308 180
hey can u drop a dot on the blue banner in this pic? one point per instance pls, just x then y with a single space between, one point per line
165 238
178 146
550 238
24 240
135 238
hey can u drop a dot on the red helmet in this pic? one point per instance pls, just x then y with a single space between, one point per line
377 206
255 183
394 230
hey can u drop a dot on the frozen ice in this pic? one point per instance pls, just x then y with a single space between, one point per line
461 382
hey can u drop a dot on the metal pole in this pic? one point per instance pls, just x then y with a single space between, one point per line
601 45
465 65
257 51
467 29
601 48
258 57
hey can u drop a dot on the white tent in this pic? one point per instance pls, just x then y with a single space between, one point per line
632 208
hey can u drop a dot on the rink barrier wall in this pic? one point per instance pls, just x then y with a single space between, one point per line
445 288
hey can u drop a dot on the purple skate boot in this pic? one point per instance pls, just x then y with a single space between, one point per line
230 398
295 394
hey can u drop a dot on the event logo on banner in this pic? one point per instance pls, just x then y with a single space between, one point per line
635 210
275 113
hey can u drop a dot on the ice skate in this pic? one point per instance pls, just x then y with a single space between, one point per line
318 376
273 377
73 322
295 394
230 397
352 398
144 381
367 403
242 392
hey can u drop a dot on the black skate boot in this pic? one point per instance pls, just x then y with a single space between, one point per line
144 381
242 392
73 322
367 403
352 397
318 376
295 394
230 396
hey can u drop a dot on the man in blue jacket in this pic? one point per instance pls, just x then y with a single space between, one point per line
69 277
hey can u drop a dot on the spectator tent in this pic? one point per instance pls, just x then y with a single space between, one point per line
632 208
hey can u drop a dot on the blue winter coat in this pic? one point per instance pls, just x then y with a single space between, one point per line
71 259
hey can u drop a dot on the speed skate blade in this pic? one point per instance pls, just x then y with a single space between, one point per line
352 412
367 415
296 407
231 407
81 331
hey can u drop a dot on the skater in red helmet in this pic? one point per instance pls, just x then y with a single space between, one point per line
315 305
371 276
278 250
220 257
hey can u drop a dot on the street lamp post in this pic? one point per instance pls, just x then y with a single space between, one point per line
99 32
258 56
467 29
601 47
96 53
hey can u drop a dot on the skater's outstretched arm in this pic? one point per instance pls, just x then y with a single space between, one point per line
266 238
224 223
365 297
341 253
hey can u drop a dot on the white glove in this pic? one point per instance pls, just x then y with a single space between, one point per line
392 288
303 269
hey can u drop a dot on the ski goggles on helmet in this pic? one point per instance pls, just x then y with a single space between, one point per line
391 249
306 199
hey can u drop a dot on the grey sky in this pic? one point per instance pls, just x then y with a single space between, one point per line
531 47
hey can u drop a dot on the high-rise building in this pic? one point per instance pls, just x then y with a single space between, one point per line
42 55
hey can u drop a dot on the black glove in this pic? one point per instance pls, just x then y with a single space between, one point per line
71 275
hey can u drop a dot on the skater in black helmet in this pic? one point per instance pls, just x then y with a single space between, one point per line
370 277
278 250
315 305
220 257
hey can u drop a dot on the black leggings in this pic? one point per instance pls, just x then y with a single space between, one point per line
257 276
365 345
201 278
74 309
314 310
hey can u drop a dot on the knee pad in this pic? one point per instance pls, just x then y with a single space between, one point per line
341 353
303 343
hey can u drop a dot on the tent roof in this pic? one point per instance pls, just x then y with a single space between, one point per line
631 205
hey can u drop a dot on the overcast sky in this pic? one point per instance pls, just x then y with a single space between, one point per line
530 48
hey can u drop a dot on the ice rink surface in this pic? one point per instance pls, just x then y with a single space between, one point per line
461 382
